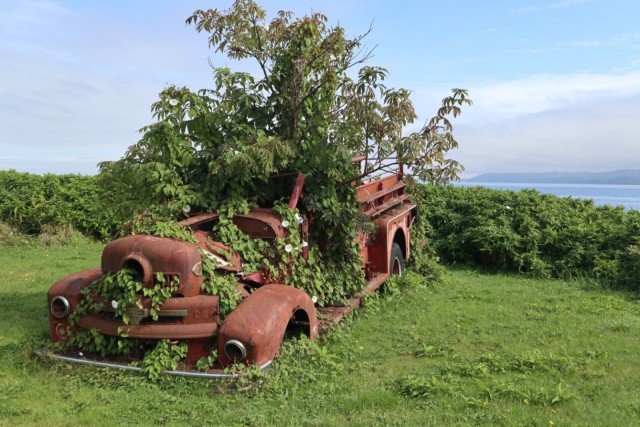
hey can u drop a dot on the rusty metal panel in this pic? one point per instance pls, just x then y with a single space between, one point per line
297 191
365 190
156 255
155 330
260 321
260 223
381 191
69 288
378 197
200 219
379 249
257 228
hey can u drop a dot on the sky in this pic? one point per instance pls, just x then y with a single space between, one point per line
555 83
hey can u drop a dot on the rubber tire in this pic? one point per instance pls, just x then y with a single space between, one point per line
396 263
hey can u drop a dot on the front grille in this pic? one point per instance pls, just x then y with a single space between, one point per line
142 315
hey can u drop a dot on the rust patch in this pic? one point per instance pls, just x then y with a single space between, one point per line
148 330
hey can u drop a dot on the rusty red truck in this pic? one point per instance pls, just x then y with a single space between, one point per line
253 332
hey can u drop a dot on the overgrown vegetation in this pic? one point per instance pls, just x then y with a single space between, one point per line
244 142
532 233
476 349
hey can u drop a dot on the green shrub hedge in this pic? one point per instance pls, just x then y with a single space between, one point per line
526 232
533 233
33 204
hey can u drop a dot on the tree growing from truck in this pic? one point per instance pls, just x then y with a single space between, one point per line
311 105
305 110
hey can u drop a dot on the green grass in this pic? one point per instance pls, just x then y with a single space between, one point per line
475 350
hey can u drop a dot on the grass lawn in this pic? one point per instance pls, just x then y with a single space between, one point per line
474 350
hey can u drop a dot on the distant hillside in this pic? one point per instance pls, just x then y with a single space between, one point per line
619 177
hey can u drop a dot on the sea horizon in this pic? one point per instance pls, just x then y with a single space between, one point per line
626 195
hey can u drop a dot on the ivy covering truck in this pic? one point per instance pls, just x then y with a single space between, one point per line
150 288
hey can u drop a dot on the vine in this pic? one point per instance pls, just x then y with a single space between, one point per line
118 291
330 279
164 356
93 341
250 250
221 284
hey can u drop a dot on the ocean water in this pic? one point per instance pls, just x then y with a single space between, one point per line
614 195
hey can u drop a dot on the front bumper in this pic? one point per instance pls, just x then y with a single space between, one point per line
211 373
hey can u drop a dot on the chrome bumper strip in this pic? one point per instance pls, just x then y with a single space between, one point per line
217 373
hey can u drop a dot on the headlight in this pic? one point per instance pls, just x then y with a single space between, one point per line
235 351
197 269
60 307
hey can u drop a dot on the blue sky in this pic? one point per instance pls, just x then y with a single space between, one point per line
556 83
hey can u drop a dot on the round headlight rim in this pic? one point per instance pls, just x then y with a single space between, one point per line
60 312
238 346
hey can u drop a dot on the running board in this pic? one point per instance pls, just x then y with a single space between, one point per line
331 315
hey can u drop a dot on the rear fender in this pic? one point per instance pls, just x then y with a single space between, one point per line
260 321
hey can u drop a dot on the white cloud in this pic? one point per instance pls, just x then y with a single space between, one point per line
598 135
505 100
556 5
79 92
577 122
618 39
568 3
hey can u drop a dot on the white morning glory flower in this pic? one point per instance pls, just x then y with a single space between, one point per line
114 304
304 244
298 218
288 248
186 209
314 299
173 102
285 223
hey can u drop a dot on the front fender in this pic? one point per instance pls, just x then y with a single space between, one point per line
70 289
260 321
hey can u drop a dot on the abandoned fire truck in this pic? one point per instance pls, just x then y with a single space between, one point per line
253 332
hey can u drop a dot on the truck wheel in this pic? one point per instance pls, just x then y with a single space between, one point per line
396 266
